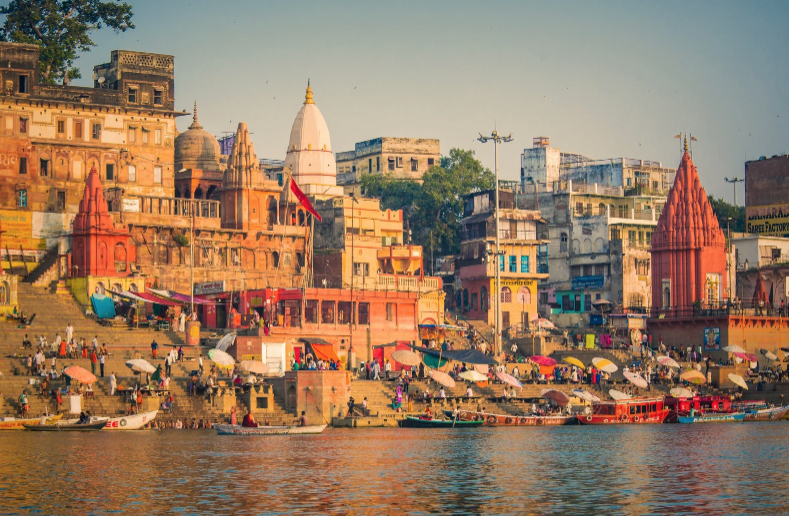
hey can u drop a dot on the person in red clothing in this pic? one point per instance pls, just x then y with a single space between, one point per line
62 351
94 358
249 421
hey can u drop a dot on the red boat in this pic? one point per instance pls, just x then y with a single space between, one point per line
510 420
626 412
680 406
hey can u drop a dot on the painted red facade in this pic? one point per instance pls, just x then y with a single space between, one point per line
688 247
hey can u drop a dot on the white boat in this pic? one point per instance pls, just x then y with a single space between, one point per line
268 430
132 422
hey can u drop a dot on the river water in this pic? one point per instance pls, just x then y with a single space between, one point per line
655 469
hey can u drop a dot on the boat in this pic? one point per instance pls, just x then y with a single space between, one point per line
625 412
268 430
87 427
10 423
428 422
711 417
133 422
510 420
766 414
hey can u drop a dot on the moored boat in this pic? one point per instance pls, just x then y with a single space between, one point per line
510 420
86 427
426 422
624 412
268 430
766 414
133 422
10 423
711 417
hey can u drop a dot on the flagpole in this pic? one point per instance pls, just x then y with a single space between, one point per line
192 265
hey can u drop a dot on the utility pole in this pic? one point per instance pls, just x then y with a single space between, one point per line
351 315
497 139
734 181
192 265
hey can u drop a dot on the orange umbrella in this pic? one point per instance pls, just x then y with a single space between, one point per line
693 376
80 374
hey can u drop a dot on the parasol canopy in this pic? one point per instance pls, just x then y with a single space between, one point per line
473 376
636 379
585 395
225 342
442 378
574 361
557 397
681 392
693 376
769 355
481 368
80 374
604 364
618 395
738 381
140 365
544 324
750 357
406 357
546 361
667 361
734 348
508 378
221 358
253 366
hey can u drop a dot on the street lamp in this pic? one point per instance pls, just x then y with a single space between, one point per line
734 181
497 139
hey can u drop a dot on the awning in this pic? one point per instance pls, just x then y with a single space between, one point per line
103 306
468 356
315 341
288 294
150 298
443 327
181 298
324 351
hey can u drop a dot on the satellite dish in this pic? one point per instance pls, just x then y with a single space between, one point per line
101 80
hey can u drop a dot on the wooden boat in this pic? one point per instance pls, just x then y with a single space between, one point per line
10 423
766 414
626 412
510 420
87 427
268 430
426 422
133 422
711 417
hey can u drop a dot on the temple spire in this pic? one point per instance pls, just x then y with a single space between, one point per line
195 123
686 142
308 95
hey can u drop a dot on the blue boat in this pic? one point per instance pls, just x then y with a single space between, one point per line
730 417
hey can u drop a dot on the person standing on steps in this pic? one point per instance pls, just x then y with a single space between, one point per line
93 359
154 348
69 332
113 383
200 364
101 363
95 343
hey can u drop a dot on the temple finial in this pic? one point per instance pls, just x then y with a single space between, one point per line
195 123
194 118
686 142
308 96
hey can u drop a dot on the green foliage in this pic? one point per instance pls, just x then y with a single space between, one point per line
181 240
723 210
61 28
437 204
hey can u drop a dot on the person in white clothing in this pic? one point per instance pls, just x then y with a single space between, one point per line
387 368
441 393
69 332
182 322
469 393
113 383
55 346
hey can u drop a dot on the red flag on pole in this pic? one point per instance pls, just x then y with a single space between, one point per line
303 199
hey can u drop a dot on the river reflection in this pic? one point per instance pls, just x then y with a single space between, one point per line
656 469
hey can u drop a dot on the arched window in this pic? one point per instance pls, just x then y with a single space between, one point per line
563 242
506 295
587 245
601 209
599 245
132 287
299 262
198 193
483 299
275 259
100 290
524 296
301 217
120 257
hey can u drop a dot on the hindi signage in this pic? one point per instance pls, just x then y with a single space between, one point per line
131 205
212 287
587 282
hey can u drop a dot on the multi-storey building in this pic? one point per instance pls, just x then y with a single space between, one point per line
766 194
404 158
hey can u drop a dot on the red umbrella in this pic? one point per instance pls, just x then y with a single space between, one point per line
557 397
546 361
80 374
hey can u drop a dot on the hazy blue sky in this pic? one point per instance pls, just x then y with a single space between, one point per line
605 79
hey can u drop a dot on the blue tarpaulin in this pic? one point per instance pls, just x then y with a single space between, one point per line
103 306
468 356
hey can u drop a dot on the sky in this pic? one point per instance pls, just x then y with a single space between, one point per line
604 79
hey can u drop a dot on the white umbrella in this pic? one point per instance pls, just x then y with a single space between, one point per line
442 378
473 376
253 366
545 324
618 395
585 395
734 349
508 378
738 380
221 358
406 357
604 364
225 342
636 379
667 362
681 392
140 365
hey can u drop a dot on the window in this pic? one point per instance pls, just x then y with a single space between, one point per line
525 263
501 262
23 166
21 198
157 137
628 181
390 312
391 163
275 259
61 126
506 295
563 243
587 303
61 200
78 130
43 168
399 162
157 97
327 312
364 313
145 136
23 84
543 298
110 172
631 235
361 269
311 311
132 135
353 169
96 131
132 173
344 312
524 296
378 163
157 175
430 162
513 263
414 165
654 185
23 125
370 166
132 95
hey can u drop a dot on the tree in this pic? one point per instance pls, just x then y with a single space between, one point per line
433 210
723 210
61 28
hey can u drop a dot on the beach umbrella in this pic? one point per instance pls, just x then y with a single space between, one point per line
738 381
557 397
604 364
667 362
585 395
750 357
734 349
769 355
508 378
80 374
574 361
693 376
482 368
546 361
473 376
681 392
141 366
442 378
221 358
406 357
544 324
253 366
225 342
636 379
618 395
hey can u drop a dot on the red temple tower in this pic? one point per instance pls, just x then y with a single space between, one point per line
688 247
99 249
